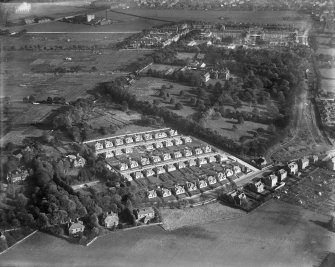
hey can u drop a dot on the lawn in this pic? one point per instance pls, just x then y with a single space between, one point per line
276 234
328 73
183 56
328 85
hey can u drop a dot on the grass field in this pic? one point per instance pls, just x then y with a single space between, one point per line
276 234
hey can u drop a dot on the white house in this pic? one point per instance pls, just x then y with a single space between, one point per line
192 162
128 150
170 168
207 149
173 132
159 170
202 184
111 220
221 176
292 168
331 164
109 154
205 77
148 172
211 180
155 159
98 146
129 140
118 142
160 135
257 187
303 163
211 159
187 139
271 180
187 153
179 189
76 228
145 214
147 136
191 186
118 152
201 161
229 172
168 143
236 169
149 147
152 194
17 176
180 165
178 141
138 138
177 154
166 192
145 161
123 166
198 151
158 145
166 156
221 158
108 144
137 175
133 164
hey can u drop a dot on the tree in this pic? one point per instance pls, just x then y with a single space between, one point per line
240 119
179 106
234 128
124 106
172 101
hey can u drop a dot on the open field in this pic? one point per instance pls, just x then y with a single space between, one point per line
276 234
328 85
328 73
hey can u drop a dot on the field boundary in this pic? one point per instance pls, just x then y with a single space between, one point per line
18 242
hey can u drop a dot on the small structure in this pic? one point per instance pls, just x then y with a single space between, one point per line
187 152
173 133
147 136
168 143
129 140
159 170
118 152
257 187
180 165
202 183
191 186
159 145
281 174
205 77
17 176
118 142
137 175
178 141
201 161
76 228
292 168
128 150
152 194
149 147
108 144
177 154
229 172
155 159
303 163
211 180
178 190
133 164
145 161
187 139
271 180
138 138
166 192
160 135
221 176
170 168
145 214
207 149
198 151
148 172
109 154
211 159
166 156
236 169
221 158
98 146
123 166
237 198
331 164
192 162
314 159
111 220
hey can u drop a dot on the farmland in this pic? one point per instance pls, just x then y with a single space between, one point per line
278 233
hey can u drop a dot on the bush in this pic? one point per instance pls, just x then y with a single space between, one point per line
179 106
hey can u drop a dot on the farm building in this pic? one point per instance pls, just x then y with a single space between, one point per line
111 220
145 214
282 174
191 186
271 180
303 163
178 190
257 187
152 194
292 168
148 172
